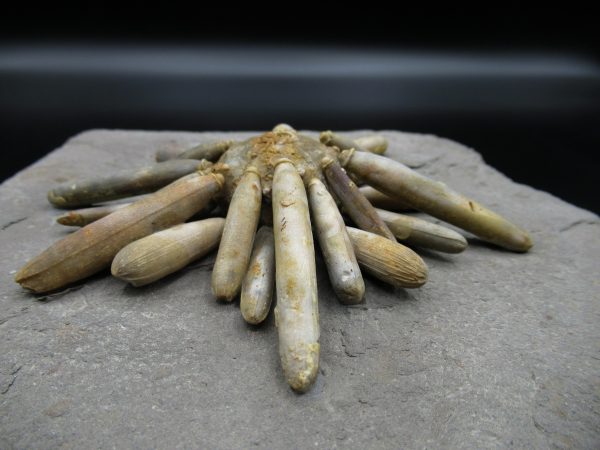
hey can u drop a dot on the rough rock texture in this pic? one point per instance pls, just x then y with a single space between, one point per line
497 350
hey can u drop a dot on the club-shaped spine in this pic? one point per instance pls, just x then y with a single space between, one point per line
155 256
391 262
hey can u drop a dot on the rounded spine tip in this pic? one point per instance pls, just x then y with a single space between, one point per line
523 242
461 243
238 235
220 179
283 128
303 371
69 219
458 245
326 161
345 156
352 296
326 137
389 261
27 280
250 317
20 276
224 296
56 200
422 274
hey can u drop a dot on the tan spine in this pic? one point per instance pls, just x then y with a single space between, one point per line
155 256
238 236
83 217
389 261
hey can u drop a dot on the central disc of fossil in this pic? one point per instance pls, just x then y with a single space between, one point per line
264 151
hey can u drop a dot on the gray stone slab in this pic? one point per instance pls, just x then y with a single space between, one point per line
497 350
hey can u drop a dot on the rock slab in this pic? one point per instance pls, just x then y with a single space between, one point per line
497 350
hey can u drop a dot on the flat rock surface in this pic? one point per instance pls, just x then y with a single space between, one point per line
497 350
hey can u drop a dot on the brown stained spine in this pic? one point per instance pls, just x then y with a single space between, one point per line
436 199
91 248
354 202
125 183
83 217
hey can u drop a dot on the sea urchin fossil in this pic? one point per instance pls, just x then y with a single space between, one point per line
286 185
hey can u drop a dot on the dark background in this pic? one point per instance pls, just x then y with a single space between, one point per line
521 86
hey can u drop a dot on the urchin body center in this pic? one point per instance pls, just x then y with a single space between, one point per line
262 153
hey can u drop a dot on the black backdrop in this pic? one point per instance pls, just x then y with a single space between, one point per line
520 86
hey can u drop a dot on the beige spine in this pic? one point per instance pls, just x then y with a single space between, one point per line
155 256
257 288
342 266
296 313
389 261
